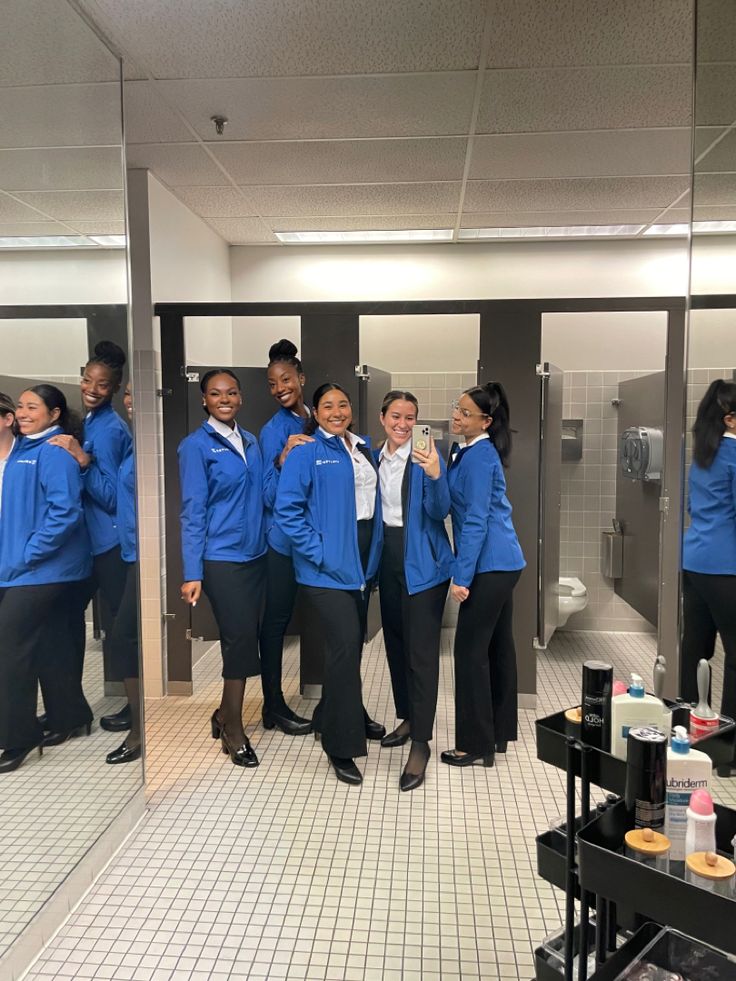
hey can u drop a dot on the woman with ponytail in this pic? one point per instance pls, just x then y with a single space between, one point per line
709 550
487 567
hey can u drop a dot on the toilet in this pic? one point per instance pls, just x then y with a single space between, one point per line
572 598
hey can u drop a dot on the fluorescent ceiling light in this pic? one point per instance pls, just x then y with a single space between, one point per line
551 231
366 237
681 228
714 227
45 242
109 241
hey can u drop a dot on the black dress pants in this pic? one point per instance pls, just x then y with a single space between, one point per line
36 645
709 607
235 590
281 590
411 632
485 665
124 638
109 575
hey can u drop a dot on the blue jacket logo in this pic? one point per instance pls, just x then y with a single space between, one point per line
219 449
319 463
31 462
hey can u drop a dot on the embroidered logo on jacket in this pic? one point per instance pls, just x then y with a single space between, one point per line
31 462
318 463
218 449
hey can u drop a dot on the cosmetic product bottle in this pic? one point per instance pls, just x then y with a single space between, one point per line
700 835
711 871
687 770
595 727
648 847
659 674
646 771
632 710
703 719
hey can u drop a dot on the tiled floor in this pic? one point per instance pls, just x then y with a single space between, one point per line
282 872
54 808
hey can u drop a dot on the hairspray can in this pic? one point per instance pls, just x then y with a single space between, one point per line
595 726
646 777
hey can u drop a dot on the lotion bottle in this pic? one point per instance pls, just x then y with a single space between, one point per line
633 710
687 770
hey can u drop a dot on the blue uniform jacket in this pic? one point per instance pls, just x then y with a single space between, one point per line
43 538
107 438
125 514
272 440
221 501
425 504
484 536
315 509
710 541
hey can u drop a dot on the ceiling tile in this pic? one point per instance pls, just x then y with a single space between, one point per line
547 100
535 219
356 199
148 119
573 195
99 227
23 228
361 223
12 210
714 189
716 30
705 137
527 33
238 38
80 205
722 157
58 46
216 202
715 95
176 163
722 213
49 170
242 231
60 115
582 154
328 108
343 161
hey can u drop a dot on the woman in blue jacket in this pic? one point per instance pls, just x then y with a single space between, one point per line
328 505
709 549
105 442
224 545
488 564
415 573
283 431
44 555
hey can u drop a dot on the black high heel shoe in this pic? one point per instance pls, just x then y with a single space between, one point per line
453 758
397 737
346 770
240 755
409 780
11 759
290 725
216 725
57 738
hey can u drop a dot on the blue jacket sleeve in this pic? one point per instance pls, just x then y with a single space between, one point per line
194 494
270 448
478 491
61 483
436 496
101 477
291 512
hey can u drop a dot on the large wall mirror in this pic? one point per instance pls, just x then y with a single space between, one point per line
69 649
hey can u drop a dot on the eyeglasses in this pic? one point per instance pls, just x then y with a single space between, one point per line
466 413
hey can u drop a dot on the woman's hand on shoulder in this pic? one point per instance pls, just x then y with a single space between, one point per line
429 461
191 591
297 439
72 446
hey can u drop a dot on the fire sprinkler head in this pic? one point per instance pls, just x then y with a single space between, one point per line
220 124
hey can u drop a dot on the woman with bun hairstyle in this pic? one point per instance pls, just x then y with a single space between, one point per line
487 567
328 504
105 441
709 548
415 572
224 545
283 431
44 555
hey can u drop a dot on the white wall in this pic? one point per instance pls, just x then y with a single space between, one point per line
253 336
714 264
425 342
49 349
711 339
622 341
58 276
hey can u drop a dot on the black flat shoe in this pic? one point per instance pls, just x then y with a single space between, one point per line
374 730
346 770
502 747
124 754
11 759
410 781
395 738
295 726
453 758
57 738
241 755
118 721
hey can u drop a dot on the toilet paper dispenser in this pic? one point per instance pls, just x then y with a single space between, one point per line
642 453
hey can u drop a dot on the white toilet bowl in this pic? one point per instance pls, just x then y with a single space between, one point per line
572 598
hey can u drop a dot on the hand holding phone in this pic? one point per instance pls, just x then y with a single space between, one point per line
423 452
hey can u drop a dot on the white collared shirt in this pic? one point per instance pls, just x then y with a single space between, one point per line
730 435
473 441
231 435
391 475
46 432
2 474
365 476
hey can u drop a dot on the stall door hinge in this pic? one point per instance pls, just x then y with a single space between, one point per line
191 376
664 505
541 371
361 371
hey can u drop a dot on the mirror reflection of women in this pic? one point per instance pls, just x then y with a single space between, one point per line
105 442
7 434
709 548
488 564
415 573
224 545
328 505
283 431
44 555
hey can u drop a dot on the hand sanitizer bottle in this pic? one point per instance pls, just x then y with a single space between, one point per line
687 770
635 709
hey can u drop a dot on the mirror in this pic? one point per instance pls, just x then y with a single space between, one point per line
69 646
710 521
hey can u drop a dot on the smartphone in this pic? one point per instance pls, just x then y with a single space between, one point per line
421 435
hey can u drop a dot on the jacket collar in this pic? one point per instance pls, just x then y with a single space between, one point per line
247 439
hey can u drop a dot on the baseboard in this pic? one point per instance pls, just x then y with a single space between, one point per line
528 702
31 942
179 688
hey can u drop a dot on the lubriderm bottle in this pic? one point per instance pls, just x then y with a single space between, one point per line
687 770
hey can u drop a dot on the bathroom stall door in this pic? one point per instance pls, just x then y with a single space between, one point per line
373 384
550 462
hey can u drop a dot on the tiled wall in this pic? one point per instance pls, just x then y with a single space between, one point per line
588 502
434 390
